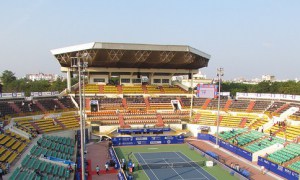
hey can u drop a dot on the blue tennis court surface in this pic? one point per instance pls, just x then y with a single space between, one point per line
192 171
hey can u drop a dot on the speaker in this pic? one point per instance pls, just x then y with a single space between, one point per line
190 75
139 75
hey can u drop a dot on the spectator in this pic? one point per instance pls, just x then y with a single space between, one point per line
70 167
98 170
38 173
232 165
7 166
271 133
1 172
237 167
106 167
132 167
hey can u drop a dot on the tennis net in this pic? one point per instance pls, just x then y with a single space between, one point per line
172 165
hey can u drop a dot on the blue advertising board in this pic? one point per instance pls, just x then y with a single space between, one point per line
114 157
280 170
144 130
144 140
60 160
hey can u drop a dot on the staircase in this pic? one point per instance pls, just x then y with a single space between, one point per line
280 108
220 120
124 102
250 106
243 122
160 121
101 89
60 123
227 105
122 122
145 89
60 104
162 90
147 103
36 127
207 101
39 105
119 87
14 107
197 117
87 103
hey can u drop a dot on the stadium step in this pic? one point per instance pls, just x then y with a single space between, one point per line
60 123
124 102
101 89
220 120
197 117
40 106
227 105
250 106
160 121
120 90
207 101
122 122
145 89
147 103
243 122
285 164
60 104
14 107
87 103
37 127
281 108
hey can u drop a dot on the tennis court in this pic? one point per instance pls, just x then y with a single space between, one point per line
171 165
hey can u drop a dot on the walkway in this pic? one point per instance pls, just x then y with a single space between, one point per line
98 155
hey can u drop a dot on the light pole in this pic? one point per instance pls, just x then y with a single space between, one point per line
85 65
220 73
79 65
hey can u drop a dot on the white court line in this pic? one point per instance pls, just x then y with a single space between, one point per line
174 170
162 158
149 167
199 166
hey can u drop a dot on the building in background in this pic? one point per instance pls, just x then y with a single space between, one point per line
42 76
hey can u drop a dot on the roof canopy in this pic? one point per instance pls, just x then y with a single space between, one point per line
124 55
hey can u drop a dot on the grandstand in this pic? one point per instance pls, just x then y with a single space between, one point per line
140 109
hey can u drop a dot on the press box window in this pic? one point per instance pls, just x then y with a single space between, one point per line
125 80
99 80
165 81
157 81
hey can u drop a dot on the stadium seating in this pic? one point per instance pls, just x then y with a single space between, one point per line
261 106
246 138
295 166
225 135
151 89
239 105
287 153
160 103
173 90
67 102
132 89
11 146
137 102
91 89
6 109
107 89
264 143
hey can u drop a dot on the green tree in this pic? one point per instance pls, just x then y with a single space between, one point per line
7 77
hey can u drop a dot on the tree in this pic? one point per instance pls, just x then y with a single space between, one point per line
7 77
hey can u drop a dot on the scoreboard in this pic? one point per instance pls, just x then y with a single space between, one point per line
207 91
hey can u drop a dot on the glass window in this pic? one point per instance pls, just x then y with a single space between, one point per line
125 80
136 81
99 80
165 81
157 81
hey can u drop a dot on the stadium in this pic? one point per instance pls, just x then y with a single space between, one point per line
127 116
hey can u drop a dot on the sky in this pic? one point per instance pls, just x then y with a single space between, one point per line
247 38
